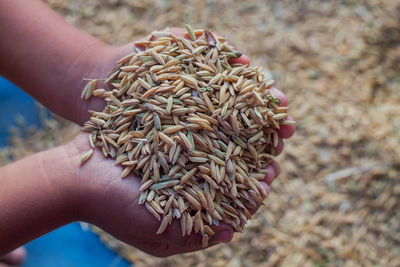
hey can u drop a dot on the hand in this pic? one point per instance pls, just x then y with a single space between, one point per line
114 53
103 60
62 56
15 257
112 203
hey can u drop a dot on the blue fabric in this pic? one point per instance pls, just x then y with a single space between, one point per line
68 246
14 102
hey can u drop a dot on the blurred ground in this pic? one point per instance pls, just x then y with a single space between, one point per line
336 201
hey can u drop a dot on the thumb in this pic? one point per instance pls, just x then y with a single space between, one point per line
15 257
223 234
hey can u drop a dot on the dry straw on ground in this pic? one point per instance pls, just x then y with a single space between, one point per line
199 131
338 63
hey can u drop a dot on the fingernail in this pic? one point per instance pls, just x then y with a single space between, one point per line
270 176
224 236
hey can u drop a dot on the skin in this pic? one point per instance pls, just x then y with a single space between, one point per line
47 57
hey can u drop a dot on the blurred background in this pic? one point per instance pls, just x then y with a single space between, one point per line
336 200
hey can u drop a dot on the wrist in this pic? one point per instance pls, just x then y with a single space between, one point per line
85 63
84 186
37 195
77 187
60 174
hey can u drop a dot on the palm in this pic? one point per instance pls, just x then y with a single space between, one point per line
112 202
106 62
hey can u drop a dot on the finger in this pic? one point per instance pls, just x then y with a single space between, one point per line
279 147
287 131
243 59
273 171
128 48
279 94
223 234
177 31
266 188
15 257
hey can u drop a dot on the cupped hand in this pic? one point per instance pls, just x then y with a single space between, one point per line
105 60
111 203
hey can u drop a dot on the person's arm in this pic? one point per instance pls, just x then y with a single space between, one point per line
48 58
50 189
45 56
37 195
